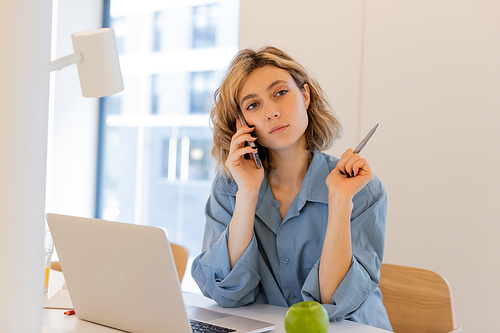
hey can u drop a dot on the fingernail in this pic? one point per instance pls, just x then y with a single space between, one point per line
352 175
341 172
348 176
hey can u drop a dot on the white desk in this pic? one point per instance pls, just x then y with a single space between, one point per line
55 322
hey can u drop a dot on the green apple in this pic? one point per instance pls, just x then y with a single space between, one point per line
306 317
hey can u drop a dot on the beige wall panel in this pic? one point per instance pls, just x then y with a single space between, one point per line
324 36
432 80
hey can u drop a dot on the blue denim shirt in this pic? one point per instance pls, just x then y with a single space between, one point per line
293 249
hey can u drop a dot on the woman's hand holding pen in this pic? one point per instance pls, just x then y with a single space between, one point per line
350 175
244 171
352 172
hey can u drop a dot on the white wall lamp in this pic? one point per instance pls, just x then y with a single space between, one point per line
96 56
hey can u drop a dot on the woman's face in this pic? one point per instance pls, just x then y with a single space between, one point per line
270 100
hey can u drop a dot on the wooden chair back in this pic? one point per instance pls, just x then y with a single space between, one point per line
417 300
180 254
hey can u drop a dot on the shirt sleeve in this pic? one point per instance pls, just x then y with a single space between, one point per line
367 237
212 270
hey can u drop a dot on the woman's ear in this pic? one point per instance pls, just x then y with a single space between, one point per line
306 94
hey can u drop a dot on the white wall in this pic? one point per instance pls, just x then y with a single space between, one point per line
432 77
72 160
428 71
24 96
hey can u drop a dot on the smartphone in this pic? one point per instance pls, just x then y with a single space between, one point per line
252 144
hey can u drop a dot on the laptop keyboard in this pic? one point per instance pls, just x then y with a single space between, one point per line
201 327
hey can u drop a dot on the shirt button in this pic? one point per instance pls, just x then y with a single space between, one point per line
292 297
286 261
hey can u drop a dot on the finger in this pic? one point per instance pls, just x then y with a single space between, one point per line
343 160
349 152
239 141
237 154
361 164
242 129
350 162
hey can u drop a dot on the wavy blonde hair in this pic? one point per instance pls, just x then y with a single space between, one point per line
323 128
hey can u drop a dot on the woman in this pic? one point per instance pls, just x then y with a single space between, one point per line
305 226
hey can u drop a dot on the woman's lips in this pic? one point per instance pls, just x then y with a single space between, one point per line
278 129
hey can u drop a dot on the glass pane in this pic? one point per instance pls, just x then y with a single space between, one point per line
177 182
118 175
203 26
199 160
165 25
128 31
169 93
127 101
203 85
156 141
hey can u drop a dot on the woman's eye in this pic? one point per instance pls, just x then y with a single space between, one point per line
281 92
252 106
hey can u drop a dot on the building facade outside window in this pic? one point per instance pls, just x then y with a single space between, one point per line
155 140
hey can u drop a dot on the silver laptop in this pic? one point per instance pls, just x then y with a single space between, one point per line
123 276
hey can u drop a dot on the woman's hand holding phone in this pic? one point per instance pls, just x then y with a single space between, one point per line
244 171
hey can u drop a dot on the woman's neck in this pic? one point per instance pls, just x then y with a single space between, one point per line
289 167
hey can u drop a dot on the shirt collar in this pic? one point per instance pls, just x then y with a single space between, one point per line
313 187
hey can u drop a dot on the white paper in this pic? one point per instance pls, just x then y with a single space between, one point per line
60 300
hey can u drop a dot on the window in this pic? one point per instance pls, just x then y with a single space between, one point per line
155 141
202 84
203 26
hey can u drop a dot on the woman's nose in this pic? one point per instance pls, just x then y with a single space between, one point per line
272 112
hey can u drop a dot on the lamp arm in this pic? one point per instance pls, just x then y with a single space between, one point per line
65 61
